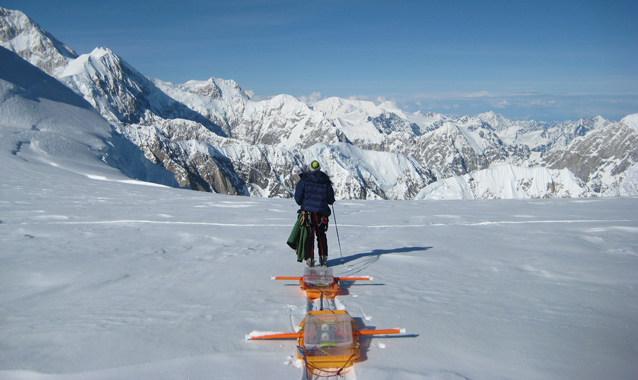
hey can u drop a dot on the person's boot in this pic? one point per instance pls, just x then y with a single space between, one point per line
324 261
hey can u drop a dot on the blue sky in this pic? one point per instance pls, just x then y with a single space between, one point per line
542 60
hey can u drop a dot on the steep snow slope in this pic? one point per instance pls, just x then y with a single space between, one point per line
43 120
39 113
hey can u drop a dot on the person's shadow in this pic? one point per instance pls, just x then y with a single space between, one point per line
372 257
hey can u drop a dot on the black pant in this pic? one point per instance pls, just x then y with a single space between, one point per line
317 226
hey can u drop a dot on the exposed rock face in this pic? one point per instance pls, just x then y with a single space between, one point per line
601 157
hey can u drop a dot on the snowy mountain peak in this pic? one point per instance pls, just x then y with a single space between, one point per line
631 121
216 88
336 106
114 87
99 61
393 107
101 51
22 35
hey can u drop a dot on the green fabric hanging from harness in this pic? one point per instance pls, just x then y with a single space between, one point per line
298 236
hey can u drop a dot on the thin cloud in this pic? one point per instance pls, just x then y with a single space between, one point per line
312 98
502 104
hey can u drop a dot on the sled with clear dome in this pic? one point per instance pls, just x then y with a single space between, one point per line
319 281
327 339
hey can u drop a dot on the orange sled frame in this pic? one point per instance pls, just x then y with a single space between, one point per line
327 339
318 281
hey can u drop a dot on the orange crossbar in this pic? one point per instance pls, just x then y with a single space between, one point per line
366 278
300 334
380 332
277 336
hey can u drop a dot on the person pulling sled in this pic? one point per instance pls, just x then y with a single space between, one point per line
314 193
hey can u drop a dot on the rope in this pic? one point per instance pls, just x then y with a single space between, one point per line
303 354
313 369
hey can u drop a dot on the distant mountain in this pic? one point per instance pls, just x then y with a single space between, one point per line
507 181
604 158
213 137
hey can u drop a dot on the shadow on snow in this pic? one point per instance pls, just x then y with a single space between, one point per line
373 256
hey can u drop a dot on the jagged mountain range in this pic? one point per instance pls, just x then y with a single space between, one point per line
213 137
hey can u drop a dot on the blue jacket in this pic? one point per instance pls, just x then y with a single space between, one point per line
314 192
